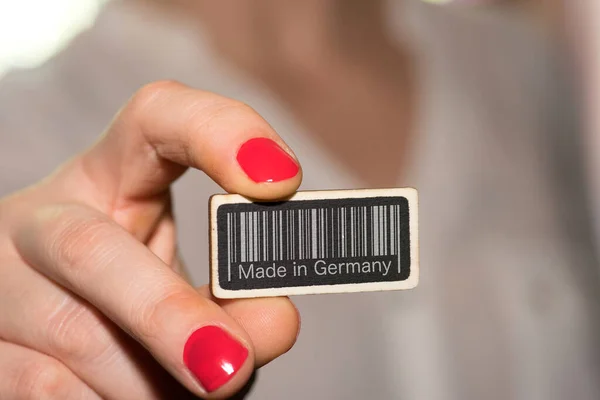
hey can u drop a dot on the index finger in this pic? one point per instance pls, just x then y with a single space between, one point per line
167 127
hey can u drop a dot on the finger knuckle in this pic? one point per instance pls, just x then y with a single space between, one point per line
209 120
150 92
219 109
41 380
152 314
77 334
74 237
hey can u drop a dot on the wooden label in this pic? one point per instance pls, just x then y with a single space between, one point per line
314 242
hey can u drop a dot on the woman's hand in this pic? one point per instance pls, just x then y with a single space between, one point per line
92 301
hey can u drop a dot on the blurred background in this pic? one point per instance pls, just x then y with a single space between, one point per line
488 108
28 39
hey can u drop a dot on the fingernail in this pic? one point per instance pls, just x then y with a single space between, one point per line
264 161
213 356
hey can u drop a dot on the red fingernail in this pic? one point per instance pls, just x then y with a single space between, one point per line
213 356
264 161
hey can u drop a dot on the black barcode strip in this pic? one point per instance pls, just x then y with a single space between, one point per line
302 234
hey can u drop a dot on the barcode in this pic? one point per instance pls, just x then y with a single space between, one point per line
312 241
310 234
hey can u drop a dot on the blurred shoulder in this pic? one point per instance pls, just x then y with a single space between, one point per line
51 112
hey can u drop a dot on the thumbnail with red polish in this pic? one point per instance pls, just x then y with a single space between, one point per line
213 356
264 161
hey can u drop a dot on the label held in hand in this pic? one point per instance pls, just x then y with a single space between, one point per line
331 241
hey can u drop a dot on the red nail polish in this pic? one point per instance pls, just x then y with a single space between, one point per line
213 356
264 161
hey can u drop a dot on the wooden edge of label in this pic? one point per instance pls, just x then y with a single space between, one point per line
411 282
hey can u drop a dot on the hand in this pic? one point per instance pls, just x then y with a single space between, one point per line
92 302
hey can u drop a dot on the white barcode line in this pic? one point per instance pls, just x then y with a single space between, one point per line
376 227
262 235
300 235
274 238
229 247
365 222
353 231
286 214
251 235
303 234
346 218
352 235
235 236
344 211
327 235
308 233
359 228
357 222
358 218
383 242
313 234
280 255
385 230
292 236
255 236
365 231
339 232
250 225
326 239
381 238
399 245
319 234
304 237
343 229
256 247
248 237
392 230
379 231
356 232
324 232
385 233
243 237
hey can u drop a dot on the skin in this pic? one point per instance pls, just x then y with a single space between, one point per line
94 301
103 220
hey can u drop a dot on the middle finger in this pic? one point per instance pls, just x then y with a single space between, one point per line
45 317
